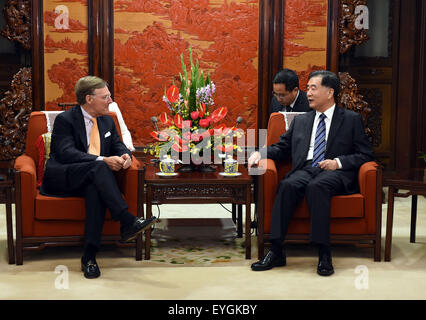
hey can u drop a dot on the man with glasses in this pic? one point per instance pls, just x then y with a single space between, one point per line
85 150
286 94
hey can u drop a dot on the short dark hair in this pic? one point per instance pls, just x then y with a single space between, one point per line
287 77
328 79
87 85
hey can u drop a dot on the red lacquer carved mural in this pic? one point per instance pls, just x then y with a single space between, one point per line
305 36
151 35
65 49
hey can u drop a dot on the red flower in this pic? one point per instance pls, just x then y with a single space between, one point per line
204 123
219 114
196 137
202 110
159 135
172 94
179 148
225 148
194 115
178 120
166 119
186 124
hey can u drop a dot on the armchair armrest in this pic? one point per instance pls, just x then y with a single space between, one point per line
129 184
369 176
25 170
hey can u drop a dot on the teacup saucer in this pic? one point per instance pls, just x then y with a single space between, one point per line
162 174
226 174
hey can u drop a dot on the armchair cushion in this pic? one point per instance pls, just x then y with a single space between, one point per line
61 208
43 148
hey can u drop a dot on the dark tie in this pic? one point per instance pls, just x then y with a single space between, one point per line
288 109
319 145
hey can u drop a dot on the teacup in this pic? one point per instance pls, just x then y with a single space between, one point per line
230 166
167 166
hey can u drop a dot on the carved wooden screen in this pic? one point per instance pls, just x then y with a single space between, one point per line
149 37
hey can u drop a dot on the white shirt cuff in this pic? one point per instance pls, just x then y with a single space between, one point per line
338 163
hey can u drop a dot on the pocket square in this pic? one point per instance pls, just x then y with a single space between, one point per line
107 134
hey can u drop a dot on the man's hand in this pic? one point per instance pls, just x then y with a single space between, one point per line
328 165
254 159
127 161
115 163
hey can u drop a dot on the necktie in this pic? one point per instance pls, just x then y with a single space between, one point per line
288 109
95 141
319 145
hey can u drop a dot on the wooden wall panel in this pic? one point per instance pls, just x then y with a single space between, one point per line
65 49
305 37
149 37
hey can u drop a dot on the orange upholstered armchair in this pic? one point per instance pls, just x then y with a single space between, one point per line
355 218
54 221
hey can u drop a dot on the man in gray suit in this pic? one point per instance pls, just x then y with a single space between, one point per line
327 148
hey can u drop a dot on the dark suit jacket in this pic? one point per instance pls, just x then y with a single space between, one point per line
346 141
301 104
69 144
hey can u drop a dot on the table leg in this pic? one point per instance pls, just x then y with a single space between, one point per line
248 223
10 244
234 213
413 218
148 231
240 221
389 224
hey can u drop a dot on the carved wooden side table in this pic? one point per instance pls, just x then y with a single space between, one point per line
414 181
6 188
198 188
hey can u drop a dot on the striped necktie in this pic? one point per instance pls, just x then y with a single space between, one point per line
95 141
319 145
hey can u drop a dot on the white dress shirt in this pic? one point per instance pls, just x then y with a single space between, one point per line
328 117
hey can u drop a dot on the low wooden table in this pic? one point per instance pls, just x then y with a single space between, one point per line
414 181
198 188
6 187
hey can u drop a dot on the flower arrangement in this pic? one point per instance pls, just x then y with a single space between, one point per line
190 129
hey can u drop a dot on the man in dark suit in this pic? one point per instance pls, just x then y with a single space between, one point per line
286 95
327 148
85 150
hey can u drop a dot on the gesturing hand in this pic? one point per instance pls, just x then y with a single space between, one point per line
127 161
115 162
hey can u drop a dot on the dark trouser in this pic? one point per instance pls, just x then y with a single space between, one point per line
97 184
318 186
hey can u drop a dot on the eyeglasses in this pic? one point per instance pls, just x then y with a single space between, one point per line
105 97
279 95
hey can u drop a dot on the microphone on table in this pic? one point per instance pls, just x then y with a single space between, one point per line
239 120
154 120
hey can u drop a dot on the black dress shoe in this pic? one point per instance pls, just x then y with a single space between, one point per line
325 267
131 232
269 261
90 269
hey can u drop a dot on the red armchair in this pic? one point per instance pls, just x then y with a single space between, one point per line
43 221
354 218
